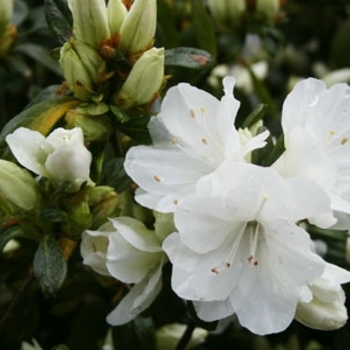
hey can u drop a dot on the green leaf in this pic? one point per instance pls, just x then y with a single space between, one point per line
138 334
20 12
114 175
121 116
136 128
53 215
60 347
256 115
50 266
264 94
39 54
166 29
188 57
203 26
59 19
93 108
41 117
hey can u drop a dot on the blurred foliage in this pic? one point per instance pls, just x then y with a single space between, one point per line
302 37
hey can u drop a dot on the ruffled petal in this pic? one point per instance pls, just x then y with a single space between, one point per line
138 299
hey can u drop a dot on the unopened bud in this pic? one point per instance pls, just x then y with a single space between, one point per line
103 202
6 11
82 68
90 21
95 128
7 39
268 8
323 315
226 12
116 14
139 26
144 81
18 187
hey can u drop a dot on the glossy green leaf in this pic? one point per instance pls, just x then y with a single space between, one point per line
114 175
41 117
188 57
50 266
59 19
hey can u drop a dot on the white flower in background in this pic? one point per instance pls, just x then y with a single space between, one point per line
331 77
241 74
316 125
126 250
60 157
326 310
193 134
239 249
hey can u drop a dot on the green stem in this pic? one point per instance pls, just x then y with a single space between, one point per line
186 337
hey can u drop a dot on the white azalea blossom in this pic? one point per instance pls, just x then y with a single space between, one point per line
239 249
316 125
326 310
60 157
192 135
126 250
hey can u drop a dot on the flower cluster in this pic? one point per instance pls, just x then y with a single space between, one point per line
237 246
113 44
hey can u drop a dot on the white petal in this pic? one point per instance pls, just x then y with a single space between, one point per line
62 137
93 249
213 310
30 149
138 299
70 164
299 102
164 172
136 234
312 202
201 277
126 263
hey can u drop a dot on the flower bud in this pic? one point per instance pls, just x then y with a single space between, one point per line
6 10
7 39
82 67
104 203
323 315
268 8
116 14
18 187
90 21
144 81
95 128
139 26
226 12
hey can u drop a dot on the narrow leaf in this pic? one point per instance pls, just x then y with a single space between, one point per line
203 26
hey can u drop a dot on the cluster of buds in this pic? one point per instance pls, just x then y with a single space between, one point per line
8 31
101 36
228 13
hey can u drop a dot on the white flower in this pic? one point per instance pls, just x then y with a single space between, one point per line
60 157
239 249
316 125
326 310
126 250
193 134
